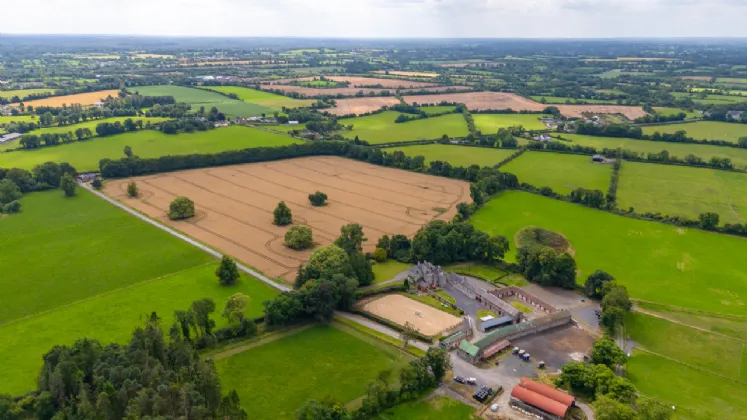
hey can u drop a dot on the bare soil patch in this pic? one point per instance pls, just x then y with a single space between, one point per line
407 73
87 98
314 92
359 106
480 100
401 309
387 83
235 204
630 112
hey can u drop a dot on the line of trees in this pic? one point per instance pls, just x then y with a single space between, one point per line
15 182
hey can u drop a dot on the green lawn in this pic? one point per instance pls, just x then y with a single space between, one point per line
490 123
456 155
432 110
704 350
696 395
651 259
481 271
561 172
438 407
682 191
88 124
730 325
7 119
388 269
674 111
21 93
112 316
85 155
710 130
706 152
200 97
275 379
381 128
266 99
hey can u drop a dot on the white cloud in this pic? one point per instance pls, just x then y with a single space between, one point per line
381 18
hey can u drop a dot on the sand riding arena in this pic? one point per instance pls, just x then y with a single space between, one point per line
234 204
400 309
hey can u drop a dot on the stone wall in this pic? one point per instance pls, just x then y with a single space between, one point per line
526 297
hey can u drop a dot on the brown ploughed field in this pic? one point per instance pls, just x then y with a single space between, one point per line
359 106
234 204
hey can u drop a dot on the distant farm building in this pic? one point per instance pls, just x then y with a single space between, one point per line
541 400
9 137
543 137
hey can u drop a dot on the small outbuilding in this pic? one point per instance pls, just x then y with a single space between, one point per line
541 400
494 323
598 159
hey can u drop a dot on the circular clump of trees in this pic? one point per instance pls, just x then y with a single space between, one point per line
181 208
318 198
299 237
282 215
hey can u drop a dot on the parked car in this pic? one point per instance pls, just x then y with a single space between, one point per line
459 379
472 381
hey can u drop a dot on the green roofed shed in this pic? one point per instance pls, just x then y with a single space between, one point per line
469 348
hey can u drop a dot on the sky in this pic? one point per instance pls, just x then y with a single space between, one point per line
381 18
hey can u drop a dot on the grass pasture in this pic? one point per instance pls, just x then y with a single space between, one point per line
22 93
275 379
710 99
438 407
570 101
651 259
85 155
436 109
381 128
7 119
265 99
705 151
708 130
729 325
490 123
201 97
386 270
666 112
683 191
456 155
561 172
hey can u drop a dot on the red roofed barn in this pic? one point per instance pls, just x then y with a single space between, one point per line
541 400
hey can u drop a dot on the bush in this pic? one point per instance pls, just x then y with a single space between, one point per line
318 198
181 208
282 215
68 185
132 190
380 255
299 237
97 184
9 191
12 207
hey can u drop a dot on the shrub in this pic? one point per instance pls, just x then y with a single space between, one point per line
12 207
282 215
132 190
181 208
380 255
9 191
318 198
299 237
97 184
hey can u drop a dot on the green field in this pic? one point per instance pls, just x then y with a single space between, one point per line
437 407
710 99
711 352
735 80
85 155
561 172
18 118
704 151
729 325
88 124
432 110
481 271
696 395
266 99
651 259
381 128
388 269
199 97
674 111
709 130
563 100
21 93
456 155
275 379
490 123
682 191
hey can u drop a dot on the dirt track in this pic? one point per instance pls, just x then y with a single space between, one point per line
234 204
401 309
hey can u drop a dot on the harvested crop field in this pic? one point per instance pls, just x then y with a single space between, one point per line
400 309
630 112
359 106
480 100
453 89
314 92
385 83
234 204
407 73
88 98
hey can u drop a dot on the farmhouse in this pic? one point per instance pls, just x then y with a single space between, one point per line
734 115
540 400
543 137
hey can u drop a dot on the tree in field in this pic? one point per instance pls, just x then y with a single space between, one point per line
709 220
653 409
318 198
299 237
595 283
128 151
97 184
606 408
282 215
68 185
606 352
181 208
408 333
132 190
227 272
618 296
351 238
9 191
612 317
234 310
